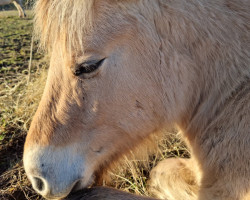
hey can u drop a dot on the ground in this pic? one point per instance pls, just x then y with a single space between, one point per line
21 85
15 107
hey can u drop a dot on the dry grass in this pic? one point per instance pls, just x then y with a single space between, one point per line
132 173
13 13
19 98
18 102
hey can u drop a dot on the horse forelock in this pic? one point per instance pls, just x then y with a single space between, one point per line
63 22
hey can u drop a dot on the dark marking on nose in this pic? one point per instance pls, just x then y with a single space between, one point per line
38 184
139 105
97 150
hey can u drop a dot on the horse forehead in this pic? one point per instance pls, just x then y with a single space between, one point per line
70 23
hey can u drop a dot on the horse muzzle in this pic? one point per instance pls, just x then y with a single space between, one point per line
55 171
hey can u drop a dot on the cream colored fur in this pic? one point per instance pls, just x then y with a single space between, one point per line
167 62
175 179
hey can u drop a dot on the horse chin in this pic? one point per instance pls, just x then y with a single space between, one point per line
82 184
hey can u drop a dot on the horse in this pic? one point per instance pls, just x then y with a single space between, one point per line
17 3
123 70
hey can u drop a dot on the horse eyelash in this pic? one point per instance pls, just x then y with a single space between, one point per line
87 67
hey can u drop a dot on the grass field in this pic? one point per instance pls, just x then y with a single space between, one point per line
19 96
21 85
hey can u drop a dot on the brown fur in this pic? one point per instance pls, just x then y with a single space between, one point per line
167 62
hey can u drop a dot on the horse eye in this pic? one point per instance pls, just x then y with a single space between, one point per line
87 67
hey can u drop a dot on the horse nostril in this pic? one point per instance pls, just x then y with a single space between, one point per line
38 184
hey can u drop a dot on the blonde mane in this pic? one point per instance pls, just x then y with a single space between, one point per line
64 17
65 22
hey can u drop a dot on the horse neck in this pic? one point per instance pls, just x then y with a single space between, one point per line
198 42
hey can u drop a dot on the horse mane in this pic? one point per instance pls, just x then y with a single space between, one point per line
58 22
65 22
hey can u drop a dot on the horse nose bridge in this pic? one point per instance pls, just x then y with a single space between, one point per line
40 129
51 123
